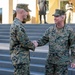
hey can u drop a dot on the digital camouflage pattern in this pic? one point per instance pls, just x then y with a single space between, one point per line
19 44
22 69
54 69
23 6
59 12
60 42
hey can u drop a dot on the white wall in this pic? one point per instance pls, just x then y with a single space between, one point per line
4 4
14 4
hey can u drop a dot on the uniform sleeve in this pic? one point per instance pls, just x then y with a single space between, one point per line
72 45
44 39
23 39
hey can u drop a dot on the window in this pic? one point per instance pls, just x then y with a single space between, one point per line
63 3
0 15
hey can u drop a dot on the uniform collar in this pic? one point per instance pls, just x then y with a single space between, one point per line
18 21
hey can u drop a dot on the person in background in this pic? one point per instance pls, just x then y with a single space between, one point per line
20 45
42 10
61 39
69 12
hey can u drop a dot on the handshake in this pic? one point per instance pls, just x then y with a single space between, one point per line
35 43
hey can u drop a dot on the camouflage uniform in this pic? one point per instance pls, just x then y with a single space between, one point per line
19 48
60 42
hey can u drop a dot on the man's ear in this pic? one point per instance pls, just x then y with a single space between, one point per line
21 11
63 16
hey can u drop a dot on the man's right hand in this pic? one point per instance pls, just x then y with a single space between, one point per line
35 43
